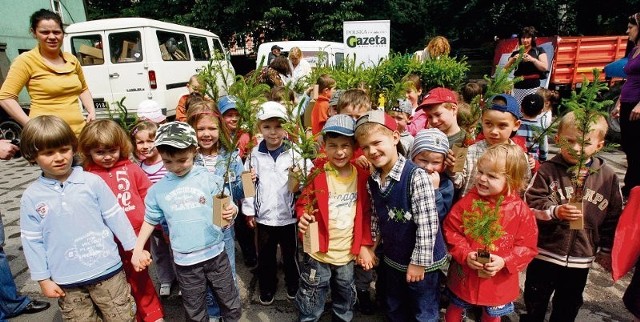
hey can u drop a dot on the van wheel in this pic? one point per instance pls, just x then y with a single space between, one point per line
11 130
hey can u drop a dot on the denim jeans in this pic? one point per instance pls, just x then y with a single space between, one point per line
213 309
316 280
11 304
417 301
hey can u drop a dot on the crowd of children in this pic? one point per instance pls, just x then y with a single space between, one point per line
387 204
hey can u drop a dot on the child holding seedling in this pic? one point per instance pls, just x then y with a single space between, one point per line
566 255
491 217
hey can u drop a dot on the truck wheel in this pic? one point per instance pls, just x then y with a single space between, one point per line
11 130
613 134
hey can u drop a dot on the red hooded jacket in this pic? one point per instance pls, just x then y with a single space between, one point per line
517 246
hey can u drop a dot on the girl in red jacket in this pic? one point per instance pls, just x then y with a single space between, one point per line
105 149
502 172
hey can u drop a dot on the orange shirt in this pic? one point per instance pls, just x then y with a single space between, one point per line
320 114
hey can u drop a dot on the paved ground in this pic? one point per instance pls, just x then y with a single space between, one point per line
602 297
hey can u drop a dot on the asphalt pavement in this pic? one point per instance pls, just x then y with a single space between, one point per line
603 299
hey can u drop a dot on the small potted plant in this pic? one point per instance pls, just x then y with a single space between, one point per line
303 144
482 224
248 94
587 110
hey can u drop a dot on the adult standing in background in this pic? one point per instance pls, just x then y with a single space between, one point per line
12 304
300 67
628 109
533 66
53 78
275 52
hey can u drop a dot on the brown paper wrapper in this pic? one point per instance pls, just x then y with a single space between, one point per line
219 203
484 257
461 157
311 239
248 187
577 224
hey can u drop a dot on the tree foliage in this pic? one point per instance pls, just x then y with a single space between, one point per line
467 23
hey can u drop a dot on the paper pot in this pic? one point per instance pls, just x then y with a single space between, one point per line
461 157
578 223
484 257
219 204
247 184
311 239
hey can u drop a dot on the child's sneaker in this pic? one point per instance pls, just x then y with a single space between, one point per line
291 292
165 289
266 299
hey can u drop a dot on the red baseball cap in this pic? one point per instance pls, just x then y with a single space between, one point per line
439 95
380 117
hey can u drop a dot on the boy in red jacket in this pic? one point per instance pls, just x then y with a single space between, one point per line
340 202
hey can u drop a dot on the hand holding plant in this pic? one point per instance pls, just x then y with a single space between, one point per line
568 212
472 261
494 266
305 220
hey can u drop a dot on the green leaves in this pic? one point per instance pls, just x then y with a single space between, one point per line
482 223
588 109
386 77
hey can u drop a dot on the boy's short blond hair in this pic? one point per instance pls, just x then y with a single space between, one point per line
516 167
105 133
356 97
367 129
600 126
45 132
325 81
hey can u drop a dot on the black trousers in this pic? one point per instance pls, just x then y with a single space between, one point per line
245 237
630 132
631 296
216 273
543 279
269 237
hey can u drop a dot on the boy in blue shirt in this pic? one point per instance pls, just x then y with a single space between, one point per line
184 198
405 218
68 221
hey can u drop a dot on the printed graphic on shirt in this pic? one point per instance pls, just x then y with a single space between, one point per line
89 248
185 198
42 209
399 215
590 195
341 201
124 194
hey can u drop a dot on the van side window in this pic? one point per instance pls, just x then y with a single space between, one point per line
173 46
200 48
218 51
125 47
88 49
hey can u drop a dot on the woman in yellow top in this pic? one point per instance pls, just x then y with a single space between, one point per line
54 79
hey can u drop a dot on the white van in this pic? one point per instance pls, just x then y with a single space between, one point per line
316 52
141 59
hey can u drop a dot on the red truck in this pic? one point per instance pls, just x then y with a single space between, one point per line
570 58
573 58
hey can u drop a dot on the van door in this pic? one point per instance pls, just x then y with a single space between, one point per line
127 72
89 49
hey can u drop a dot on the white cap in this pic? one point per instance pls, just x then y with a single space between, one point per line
272 109
150 110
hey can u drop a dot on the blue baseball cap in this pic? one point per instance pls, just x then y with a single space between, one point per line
226 103
512 105
342 124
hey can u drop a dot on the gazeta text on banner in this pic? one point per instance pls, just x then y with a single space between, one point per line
367 40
